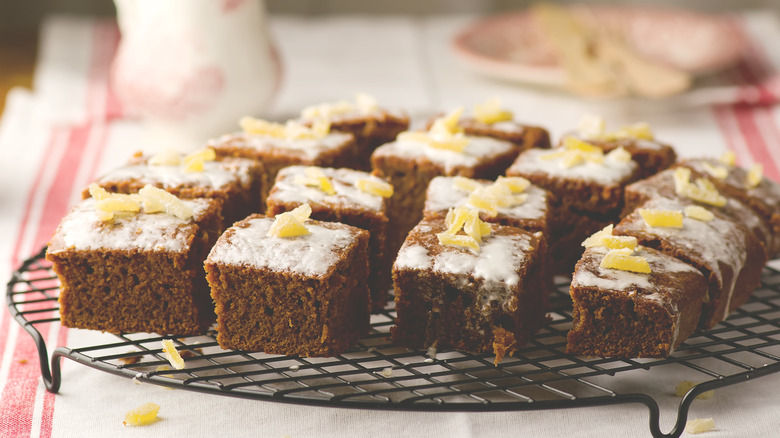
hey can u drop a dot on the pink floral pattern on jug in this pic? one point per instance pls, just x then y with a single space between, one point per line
191 68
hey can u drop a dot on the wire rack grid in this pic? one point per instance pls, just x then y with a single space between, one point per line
377 375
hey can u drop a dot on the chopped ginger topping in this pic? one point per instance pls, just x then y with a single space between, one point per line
682 177
639 130
445 133
619 155
755 175
491 112
172 354
574 143
142 415
591 126
575 152
374 187
467 219
194 162
292 130
699 425
618 242
364 103
594 127
595 239
290 224
516 184
315 177
662 218
622 260
465 184
158 200
458 240
698 213
728 158
107 207
683 387
718 172
703 191
97 192
448 123
167 157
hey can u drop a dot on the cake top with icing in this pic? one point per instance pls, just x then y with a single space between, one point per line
362 107
545 161
313 254
766 191
503 255
309 148
291 187
443 194
82 229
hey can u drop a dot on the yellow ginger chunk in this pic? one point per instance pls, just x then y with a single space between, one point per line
465 184
448 124
484 200
142 415
553 155
292 130
157 200
591 126
728 159
662 218
458 240
327 110
195 161
595 238
515 184
618 242
456 218
172 354
476 228
621 260
290 224
755 175
698 213
251 125
718 172
682 178
683 387
491 112
107 208
699 425
437 140
639 130
374 187
97 192
366 103
167 157
574 143
315 177
619 155
703 192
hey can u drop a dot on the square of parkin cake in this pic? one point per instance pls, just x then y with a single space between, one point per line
278 145
290 285
123 268
728 254
453 291
343 195
620 313
236 181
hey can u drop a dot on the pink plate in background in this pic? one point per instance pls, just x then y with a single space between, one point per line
512 47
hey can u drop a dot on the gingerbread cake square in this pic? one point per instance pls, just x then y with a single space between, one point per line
138 272
491 299
305 294
729 255
236 181
619 313
342 195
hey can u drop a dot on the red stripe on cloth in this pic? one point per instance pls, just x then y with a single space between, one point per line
727 124
748 125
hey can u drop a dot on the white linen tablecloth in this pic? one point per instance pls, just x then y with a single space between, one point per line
70 129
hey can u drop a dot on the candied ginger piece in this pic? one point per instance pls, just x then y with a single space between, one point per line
515 184
572 158
166 157
448 123
290 224
157 200
591 126
476 228
456 217
251 125
619 155
619 259
142 415
755 175
618 242
483 200
414 136
374 187
301 212
574 143
640 130
458 240
465 184
683 387
703 192
195 161
553 155
173 356
321 127
317 178
698 213
728 158
327 110
662 218
699 425
366 103
718 172
491 112
97 192
595 239
682 178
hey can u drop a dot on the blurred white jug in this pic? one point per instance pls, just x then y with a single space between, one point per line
192 68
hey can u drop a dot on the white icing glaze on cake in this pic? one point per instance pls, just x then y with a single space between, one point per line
310 255
378 114
608 172
286 189
478 150
215 174
443 195
82 230
310 148
767 190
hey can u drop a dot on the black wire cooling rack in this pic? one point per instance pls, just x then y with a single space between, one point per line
377 375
